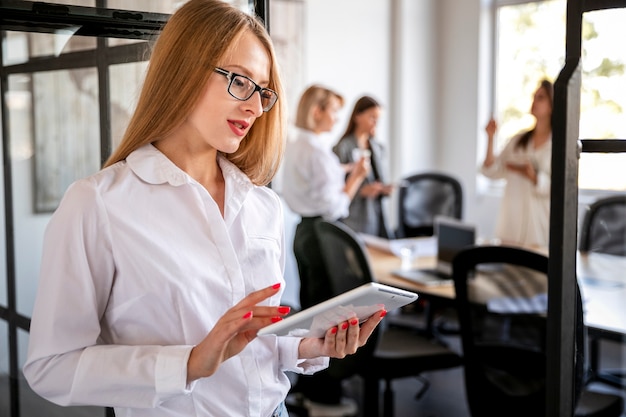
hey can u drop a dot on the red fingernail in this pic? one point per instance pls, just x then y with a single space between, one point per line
284 310
383 313
276 286
344 326
333 330
247 315
275 319
354 322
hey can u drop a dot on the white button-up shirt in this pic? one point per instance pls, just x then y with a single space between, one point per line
138 265
314 179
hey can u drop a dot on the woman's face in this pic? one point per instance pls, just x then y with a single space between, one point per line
219 120
327 117
542 105
367 120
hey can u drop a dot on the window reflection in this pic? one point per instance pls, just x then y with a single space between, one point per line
67 132
23 46
126 81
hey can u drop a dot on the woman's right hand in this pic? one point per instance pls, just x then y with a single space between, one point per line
491 128
232 332
361 168
375 189
356 177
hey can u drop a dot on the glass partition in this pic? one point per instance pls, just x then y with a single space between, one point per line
4 370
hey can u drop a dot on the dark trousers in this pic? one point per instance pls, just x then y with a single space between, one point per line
315 284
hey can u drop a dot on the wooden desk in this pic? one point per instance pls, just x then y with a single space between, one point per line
602 279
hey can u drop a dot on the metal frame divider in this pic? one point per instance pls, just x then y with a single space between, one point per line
566 148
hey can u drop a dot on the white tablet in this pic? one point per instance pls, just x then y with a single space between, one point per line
360 302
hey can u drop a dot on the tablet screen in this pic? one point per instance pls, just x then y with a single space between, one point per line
360 302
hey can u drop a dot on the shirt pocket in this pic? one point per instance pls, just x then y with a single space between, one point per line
264 261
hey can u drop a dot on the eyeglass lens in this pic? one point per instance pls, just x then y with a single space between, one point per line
243 88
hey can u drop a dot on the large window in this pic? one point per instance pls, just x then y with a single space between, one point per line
530 45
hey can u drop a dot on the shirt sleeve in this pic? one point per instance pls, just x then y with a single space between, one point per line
68 361
327 181
288 351
497 170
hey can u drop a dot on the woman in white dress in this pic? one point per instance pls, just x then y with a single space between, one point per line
525 163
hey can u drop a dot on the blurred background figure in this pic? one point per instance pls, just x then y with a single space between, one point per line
315 186
525 164
367 211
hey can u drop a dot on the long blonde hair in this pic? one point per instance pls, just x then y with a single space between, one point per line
191 44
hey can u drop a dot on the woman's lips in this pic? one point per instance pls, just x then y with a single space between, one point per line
239 127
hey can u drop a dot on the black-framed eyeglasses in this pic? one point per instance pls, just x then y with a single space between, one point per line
242 88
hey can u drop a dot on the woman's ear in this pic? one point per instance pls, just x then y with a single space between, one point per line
315 113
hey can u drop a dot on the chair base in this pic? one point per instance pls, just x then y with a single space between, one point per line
599 404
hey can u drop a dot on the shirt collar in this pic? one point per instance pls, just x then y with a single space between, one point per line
322 141
153 167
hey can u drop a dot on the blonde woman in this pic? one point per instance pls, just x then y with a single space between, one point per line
315 186
159 270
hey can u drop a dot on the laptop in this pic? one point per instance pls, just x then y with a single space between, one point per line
452 236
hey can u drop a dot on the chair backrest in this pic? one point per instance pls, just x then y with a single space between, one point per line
604 226
344 256
348 267
504 352
421 197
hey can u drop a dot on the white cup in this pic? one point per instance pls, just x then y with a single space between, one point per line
358 153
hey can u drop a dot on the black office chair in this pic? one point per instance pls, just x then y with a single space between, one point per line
604 230
505 354
390 352
604 226
423 196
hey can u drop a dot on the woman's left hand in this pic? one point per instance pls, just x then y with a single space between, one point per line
341 340
527 169
375 189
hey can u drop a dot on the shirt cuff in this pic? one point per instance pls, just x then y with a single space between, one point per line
288 348
171 371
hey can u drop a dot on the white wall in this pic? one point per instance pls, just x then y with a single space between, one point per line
348 50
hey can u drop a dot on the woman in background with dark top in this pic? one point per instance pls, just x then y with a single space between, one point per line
367 214
316 187
525 163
